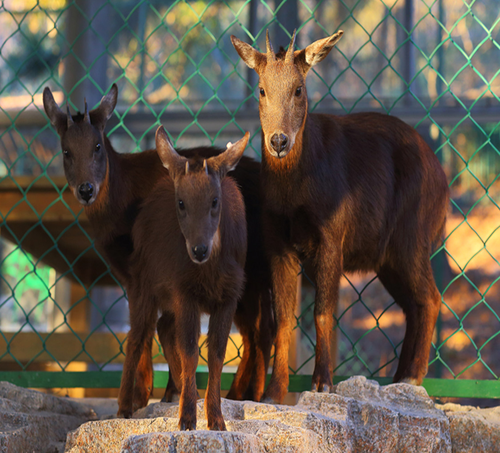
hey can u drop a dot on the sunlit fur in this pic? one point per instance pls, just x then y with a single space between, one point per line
360 192
171 282
122 182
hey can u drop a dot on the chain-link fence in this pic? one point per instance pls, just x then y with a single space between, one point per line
63 316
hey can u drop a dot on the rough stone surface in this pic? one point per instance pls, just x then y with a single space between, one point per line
108 435
473 430
194 442
34 421
358 416
398 417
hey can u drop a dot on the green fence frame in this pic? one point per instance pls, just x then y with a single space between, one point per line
436 75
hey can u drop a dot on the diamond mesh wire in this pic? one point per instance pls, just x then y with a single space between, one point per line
433 63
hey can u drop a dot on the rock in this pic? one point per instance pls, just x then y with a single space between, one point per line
104 408
397 417
473 430
38 401
108 435
194 442
278 437
34 421
359 416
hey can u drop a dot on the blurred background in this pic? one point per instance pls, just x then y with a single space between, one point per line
432 63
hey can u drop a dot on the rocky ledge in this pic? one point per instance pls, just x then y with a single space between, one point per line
32 421
359 416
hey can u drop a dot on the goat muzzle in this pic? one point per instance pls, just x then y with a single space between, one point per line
279 143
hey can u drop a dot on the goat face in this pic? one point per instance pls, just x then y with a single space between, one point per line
83 144
198 193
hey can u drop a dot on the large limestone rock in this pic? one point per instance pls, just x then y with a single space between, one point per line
360 416
473 430
32 421
194 442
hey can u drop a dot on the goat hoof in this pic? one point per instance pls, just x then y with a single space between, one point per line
325 388
187 425
268 400
125 413
321 383
217 426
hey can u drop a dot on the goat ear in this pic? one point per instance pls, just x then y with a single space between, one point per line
318 50
227 161
252 57
57 117
100 115
172 161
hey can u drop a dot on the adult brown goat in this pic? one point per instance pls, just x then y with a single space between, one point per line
351 193
111 186
189 257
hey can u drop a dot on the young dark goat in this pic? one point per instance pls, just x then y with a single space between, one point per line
111 187
354 193
190 249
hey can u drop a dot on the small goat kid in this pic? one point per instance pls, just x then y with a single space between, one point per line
354 193
190 255
111 186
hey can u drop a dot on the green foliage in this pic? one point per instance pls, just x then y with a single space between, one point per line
25 289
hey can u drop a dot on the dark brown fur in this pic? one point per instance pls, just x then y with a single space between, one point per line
354 193
124 181
168 280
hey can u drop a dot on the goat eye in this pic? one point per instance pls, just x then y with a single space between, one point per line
298 91
181 205
65 152
214 202
97 148
262 92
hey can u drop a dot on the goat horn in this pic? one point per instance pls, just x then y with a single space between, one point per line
271 56
290 52
86 117
205 166
69 117
187 167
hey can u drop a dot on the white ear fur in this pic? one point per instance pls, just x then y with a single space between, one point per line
318 50
108 102
57 117
168 155
247 53
228 160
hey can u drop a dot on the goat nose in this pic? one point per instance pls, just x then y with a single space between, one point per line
279 142
86 190
200 251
